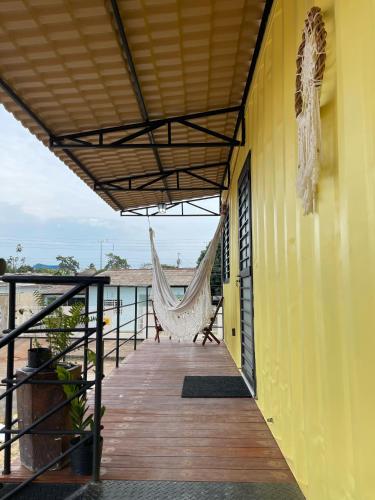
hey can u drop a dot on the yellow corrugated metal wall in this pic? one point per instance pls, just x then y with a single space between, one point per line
314 276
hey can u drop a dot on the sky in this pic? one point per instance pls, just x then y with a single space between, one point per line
47 209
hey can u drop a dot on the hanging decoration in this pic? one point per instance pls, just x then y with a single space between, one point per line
310 68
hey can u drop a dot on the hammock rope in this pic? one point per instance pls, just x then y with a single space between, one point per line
183 319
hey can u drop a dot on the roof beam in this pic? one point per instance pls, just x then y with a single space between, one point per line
204 166
182 206
204 179
154 146
128 59
129 183
162 189
97 138
146 123
241 119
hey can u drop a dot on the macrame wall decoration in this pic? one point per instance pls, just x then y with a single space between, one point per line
310 68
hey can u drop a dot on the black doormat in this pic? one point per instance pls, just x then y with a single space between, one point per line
215 387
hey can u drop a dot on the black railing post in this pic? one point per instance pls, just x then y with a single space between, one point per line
147 312
98 382
10 369
86 341
118 328
135 317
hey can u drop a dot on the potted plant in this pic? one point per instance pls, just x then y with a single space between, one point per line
81 459
37 355
57 340
34 400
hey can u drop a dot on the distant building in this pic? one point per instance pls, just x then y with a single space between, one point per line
131 286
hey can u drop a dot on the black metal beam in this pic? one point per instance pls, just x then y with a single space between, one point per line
210 212
145 128
157 122
128 59
208 131
130 178
152 181
153 211
161 189
204 179
54 144
241 120
130 137
148 126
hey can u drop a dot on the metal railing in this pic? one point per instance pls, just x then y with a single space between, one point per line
33 334
81 337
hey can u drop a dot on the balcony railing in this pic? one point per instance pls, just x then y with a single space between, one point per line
33 325
90 333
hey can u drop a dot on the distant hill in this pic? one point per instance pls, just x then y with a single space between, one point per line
40 267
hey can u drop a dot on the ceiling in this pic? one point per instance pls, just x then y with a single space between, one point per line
168 72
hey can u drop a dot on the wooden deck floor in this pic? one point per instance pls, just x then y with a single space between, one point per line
151 433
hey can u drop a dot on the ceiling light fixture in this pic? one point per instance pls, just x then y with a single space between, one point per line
162 208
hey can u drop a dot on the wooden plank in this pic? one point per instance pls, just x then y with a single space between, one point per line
158 428
196 451
184 434
177 462
151 433
219 441
215 475
168 418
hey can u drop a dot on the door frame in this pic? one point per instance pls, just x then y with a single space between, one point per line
246 172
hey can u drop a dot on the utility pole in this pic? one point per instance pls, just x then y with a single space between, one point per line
101 252
178 260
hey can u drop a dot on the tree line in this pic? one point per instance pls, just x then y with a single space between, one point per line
68 264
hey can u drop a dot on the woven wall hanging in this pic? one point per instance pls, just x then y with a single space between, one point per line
310 68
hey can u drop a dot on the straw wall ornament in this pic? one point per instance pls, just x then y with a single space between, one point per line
310 68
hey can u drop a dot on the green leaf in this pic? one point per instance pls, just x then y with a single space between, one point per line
91 356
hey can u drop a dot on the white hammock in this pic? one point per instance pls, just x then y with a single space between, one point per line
183 319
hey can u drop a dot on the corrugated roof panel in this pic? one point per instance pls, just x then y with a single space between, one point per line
64 60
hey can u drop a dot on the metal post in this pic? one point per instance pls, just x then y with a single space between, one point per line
147 312
118 328
135 317
10 369
98 382
86 342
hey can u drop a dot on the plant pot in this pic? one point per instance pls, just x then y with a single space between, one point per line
82 457
36 356
3 267
33 401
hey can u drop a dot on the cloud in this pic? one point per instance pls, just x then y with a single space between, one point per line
48 209
32 178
